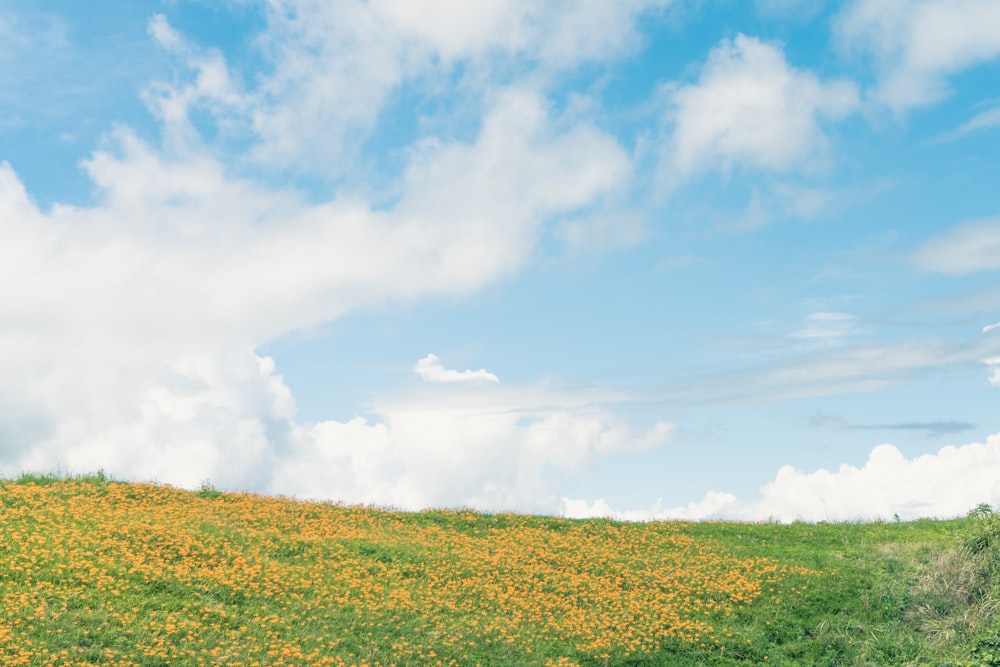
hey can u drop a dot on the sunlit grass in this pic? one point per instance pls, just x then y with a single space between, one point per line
100 572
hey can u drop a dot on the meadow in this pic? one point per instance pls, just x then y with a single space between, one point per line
100 572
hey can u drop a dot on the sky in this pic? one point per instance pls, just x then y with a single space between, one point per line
649 259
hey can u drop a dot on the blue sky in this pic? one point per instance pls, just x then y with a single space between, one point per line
647 259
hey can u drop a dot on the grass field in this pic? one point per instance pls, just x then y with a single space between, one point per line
99 572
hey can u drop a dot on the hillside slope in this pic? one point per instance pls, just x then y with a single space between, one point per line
101 572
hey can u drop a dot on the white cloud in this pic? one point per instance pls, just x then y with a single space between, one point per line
773 371
212 87
945 484
602 231
750 108
230 418
918 44
26 30
128 343
179 252
827 326
222 416
971 247
841 369
430 369
769 202
559 33
332 67
161 30
993 363
482 445
180 264
988 118
981 121
708 507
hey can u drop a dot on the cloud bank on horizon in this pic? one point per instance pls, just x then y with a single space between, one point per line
341 159
887 485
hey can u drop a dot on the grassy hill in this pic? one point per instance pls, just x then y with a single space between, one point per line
98 572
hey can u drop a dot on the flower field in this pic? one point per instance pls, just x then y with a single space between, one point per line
110 573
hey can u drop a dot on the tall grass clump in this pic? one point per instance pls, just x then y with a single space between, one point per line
957 602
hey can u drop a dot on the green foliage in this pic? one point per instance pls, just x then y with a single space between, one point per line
50 478
208 491
956 601
986 651
38 479
983 538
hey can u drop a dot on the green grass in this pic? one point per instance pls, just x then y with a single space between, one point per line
99 572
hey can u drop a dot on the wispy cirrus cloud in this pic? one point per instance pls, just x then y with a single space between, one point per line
968 248
827 326
932 429
984 120
818 367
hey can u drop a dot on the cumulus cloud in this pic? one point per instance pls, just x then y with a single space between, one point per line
993 364
430 369
560 33
751 108
230 418
707 508
332 67
130 309
968 248
178 251
918 44
483 445
887 485
129 342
